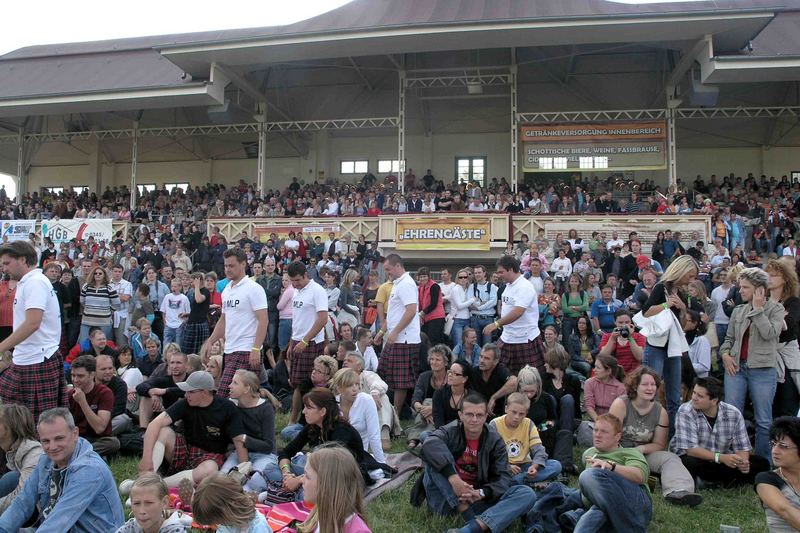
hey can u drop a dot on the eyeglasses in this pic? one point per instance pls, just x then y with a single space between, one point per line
783 447
463 277
452 373
318 371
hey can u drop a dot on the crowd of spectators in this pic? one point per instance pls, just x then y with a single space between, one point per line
158 330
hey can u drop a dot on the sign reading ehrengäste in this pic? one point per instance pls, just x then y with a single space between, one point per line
435 233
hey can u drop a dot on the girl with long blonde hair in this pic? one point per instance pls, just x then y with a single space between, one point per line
334 485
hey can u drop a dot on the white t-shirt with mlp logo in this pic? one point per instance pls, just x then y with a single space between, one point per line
526 328
404 292
240 301
306 303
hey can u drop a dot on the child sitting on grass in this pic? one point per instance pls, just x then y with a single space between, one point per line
150 508
527 457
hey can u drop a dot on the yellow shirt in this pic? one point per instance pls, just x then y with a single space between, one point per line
383 293
519 441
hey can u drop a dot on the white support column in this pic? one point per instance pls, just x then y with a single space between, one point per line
401 131
134 157
22 181
262 157
672 163
514 130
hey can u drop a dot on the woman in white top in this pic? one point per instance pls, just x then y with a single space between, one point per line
699 347
360 410
459 306
130 374
372 384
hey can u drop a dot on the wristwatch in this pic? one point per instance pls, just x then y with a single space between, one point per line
482 494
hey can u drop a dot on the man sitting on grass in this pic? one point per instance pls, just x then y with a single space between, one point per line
614 483
466 471
526 454
711 439
71 488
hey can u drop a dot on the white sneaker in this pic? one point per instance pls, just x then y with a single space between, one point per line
125 487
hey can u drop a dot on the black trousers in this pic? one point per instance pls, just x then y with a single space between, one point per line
719 473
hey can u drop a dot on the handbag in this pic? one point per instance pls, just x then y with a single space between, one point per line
448 324
370 315
275 494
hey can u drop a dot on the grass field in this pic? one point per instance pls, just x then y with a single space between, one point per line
392 512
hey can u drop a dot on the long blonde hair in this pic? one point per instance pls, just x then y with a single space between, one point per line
340 490
679 268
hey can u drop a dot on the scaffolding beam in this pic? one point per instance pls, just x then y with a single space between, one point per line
134 158
514 131
401 130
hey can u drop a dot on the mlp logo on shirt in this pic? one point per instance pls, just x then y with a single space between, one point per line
231 304
508 300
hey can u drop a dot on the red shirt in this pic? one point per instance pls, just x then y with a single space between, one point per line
100 399
6 305
467 464
624 355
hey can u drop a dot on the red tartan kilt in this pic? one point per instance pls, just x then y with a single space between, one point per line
38 387
231 362
515 356
303 363
399 365
188 457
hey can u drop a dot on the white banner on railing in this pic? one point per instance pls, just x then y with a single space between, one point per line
79 228
18 230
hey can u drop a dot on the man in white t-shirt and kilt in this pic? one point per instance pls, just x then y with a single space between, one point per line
35 377
309 316
520 340
243 324
399 360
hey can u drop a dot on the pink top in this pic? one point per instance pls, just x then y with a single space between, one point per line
354 524
599 396
285 303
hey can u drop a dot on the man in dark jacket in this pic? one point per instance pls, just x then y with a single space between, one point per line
466 470
271 282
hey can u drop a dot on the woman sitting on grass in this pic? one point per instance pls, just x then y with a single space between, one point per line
778 488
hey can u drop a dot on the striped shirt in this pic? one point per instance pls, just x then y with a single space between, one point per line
99 303
692 430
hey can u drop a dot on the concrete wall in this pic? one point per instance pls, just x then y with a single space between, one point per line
437 152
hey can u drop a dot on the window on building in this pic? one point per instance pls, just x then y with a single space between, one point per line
594 162
546 163
145 187
560 163
80 188
171 186
471 168
53 190
386 166
601 162
355 166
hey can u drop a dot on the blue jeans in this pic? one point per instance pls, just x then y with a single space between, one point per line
478 324
298 467
458 328
517 501
291 431
761 384
272 333
174 335
722 329
284 333
669 368
84 334
615 500
566 413
262 470
550 470
9 482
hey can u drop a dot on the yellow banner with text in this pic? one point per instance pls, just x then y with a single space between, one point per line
439 233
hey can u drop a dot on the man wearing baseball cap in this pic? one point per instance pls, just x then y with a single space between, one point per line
210 424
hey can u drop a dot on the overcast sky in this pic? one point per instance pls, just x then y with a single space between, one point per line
28 23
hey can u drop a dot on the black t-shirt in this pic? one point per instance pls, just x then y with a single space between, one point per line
198 312
210 428
486 388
